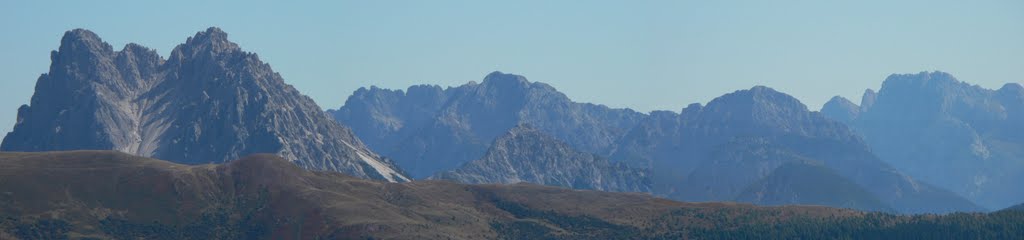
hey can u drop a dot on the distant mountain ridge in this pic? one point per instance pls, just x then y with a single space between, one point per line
209 102
730 150
715 152
525 154
427 129
950 133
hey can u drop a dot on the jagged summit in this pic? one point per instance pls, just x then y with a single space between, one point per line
212 42
868 99
83 45
759 107
213 36
210 102
1012 87
842 109
693 108
950 133
78 41
923 80
499 76
429 129
923 76
81 35
506 82
759 97
840 100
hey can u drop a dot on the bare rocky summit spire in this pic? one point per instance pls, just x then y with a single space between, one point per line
209 102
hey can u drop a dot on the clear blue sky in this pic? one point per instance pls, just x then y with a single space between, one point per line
645 55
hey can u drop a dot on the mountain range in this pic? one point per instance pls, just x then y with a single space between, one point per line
726 151
427 129
209 102
721 151
946 132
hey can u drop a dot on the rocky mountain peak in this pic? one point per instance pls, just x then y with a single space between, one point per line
211 42
1012 88
81 45
505 81
81 39
137 51
373 91
927 95
839 108
936 80
761 96
759 105
947 132
840 100
211 102
868 99
214 37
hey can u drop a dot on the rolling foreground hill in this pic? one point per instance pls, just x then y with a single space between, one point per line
209 102
105 194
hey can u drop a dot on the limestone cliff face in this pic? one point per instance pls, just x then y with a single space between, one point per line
209 102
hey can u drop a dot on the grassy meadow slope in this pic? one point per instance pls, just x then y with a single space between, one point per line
103 194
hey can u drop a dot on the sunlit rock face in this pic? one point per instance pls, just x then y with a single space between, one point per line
209 102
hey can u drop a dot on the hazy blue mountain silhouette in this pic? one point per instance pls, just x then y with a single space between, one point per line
427 129
949 133
715 152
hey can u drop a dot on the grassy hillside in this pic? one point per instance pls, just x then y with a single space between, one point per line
99 194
